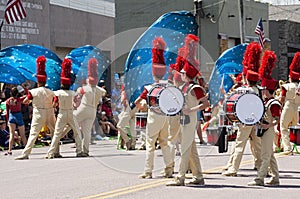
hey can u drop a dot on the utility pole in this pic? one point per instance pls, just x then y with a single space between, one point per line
242 20
198 13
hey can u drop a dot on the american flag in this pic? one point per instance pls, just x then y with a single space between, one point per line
259 30
14 11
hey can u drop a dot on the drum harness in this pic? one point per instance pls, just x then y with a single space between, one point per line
260 132
185 119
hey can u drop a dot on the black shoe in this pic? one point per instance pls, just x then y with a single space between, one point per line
8 153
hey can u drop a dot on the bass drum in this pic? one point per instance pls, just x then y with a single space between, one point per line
245 108
165 100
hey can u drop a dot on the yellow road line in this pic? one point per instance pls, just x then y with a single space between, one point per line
126 188
134 188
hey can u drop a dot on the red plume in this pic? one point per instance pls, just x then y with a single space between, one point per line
295 65
92 71
246 59
158 51
66 71
180 59
191 42
41 65
41 69
254 56
268 64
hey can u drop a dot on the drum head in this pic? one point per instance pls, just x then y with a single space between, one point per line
171 100
249 109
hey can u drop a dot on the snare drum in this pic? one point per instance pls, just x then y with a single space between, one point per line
165 100
231 134
245 108
295 134
212 135
140 121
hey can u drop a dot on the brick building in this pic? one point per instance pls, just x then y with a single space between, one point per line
285 36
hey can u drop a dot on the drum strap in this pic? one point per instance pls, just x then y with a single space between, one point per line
272 101
189 87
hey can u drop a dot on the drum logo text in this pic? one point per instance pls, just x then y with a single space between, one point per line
172 110
249 120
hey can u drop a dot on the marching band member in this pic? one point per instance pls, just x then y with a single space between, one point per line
65 100
240 80
157 125
174 125
291 100
270 120
42 103
126 118
251 66
85 114
194 94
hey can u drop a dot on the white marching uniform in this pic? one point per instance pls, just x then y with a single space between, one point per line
243 134
85 114
289 115
267 154
43 114
157 128
127 119
189 153
65 117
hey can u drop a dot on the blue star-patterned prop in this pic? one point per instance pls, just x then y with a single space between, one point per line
80 57
230 62
18 64
173 28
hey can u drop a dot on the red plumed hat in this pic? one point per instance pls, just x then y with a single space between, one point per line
92 71
254 56
66 72
158 61
190 70
252 76
265 71
295 67
245 59
180 60
191 64
252 61
191 43
41 69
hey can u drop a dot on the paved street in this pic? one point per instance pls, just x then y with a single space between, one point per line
111 173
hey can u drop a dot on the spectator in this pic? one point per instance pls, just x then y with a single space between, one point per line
4 135
108 128
6 90
15 117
